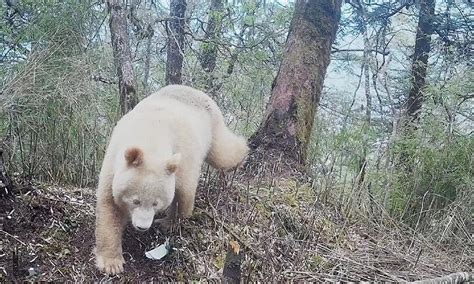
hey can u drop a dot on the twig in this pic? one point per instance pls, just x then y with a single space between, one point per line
13 237
335 50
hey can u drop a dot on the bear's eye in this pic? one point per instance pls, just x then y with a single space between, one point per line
136 202
155 204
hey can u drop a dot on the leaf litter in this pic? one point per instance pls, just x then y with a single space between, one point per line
281 229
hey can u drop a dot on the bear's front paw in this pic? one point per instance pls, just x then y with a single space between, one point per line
110 265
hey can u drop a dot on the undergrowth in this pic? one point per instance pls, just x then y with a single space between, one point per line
59 104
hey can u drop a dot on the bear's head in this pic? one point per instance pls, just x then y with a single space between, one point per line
144 187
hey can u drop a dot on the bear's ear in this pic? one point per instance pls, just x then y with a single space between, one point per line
134 157
172 163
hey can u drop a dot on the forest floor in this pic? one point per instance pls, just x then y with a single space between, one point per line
284 233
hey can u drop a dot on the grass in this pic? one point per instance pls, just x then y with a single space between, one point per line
284 231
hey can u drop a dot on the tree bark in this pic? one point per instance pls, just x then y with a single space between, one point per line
208 57
139 28
209 47
122 55
151 32
420 60
175 30
297 87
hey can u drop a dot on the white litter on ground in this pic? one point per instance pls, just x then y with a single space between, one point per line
160 251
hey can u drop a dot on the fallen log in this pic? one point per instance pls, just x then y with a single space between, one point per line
458 277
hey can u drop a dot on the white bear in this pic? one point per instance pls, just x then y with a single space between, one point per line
153 162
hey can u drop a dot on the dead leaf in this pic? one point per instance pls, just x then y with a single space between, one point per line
235 246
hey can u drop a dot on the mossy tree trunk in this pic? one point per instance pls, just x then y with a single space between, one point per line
208 57
297 87
175 31
122 55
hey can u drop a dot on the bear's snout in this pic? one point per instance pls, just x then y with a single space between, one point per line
142 218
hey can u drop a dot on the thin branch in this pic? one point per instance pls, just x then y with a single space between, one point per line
382 52
100 78
394 12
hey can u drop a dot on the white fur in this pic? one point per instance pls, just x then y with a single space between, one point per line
169 135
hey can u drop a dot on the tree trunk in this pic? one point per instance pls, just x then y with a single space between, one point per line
413 104
209 47
420 60
139 28
297 87
5 181
208 56
175 30
122 55
232 272
151 32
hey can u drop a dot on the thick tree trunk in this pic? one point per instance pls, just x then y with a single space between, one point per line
420 60
122 55
175 30
297 88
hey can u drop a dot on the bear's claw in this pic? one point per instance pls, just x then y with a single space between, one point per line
110 265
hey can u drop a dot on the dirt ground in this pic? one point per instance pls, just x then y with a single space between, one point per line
284 232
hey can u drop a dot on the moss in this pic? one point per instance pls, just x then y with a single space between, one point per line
328 12
263 210
219 261
316 261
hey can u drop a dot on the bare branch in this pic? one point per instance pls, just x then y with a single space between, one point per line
336 50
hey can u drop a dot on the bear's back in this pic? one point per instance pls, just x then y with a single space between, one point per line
185 95
178 114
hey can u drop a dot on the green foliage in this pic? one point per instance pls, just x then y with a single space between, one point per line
440 171
55 119
418 178
436 162
57 125
249 6
35 24
217 16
